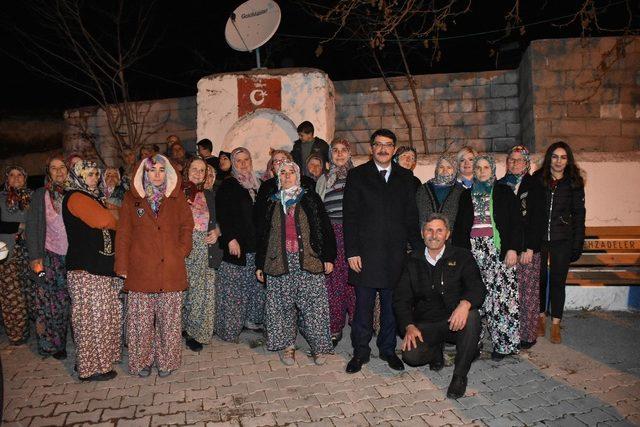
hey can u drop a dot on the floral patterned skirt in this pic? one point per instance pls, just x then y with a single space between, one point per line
239 298
342 296
154 331
529 292
14 288
297 299
199 301
501 304
53 305
96 313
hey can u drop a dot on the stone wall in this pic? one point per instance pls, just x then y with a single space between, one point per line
574 100
161 118
557 92
475 109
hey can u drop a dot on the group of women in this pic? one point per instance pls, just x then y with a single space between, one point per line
197 255
523 230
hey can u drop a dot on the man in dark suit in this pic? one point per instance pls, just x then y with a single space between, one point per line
380 218
436 299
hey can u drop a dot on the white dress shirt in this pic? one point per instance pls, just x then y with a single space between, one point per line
433 261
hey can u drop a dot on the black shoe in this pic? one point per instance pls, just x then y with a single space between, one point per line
185 334
335 339
457 388
101 377
145 372
526 345
355 364
60 355
438 361
194 345
393 361
497 357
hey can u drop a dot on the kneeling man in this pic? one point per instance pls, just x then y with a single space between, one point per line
437 300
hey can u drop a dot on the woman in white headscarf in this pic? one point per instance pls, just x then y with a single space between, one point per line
296 248
239 298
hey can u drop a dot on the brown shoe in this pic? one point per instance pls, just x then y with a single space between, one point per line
555 333
542 326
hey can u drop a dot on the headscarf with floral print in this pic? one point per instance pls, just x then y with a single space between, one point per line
78 178
18 199
189 188
290 196
481 190
155 194
448 179
511 179
248 180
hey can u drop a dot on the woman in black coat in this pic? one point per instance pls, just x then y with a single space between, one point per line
563 234
531 203
496 239
239 298
296 249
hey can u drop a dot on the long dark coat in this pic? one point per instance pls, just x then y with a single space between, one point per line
379 218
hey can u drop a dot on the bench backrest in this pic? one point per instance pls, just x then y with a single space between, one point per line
611 246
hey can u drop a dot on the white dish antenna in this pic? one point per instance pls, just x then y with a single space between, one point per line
251 25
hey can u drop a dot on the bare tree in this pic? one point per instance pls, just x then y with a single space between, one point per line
90 47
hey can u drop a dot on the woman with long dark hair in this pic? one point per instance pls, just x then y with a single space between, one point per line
564 232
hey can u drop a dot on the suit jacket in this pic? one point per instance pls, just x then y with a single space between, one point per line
380 218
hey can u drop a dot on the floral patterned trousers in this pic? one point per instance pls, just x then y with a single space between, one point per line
501 304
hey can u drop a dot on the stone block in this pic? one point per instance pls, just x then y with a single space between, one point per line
463 132
511 77
503 90
513 129
630 128
474 92
512 103
463 79
462 106
372 110
164 420
507 116
603 127
569 127
448 93
583 110
500 145
491 104
492 131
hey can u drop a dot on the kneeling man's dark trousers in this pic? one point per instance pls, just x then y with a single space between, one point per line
436 333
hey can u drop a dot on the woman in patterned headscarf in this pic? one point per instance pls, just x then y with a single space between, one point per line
199 305
15 281
239 298
296 248
154 238
47 243
531 201
444 194
95 307
330 188
496 239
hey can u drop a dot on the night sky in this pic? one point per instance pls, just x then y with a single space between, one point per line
190 44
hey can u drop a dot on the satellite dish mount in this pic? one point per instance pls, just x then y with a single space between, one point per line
251 25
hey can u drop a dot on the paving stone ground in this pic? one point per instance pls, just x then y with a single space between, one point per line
593 378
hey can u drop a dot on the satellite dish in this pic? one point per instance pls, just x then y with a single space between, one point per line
251 25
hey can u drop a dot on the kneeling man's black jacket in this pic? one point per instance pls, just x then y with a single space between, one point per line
428 293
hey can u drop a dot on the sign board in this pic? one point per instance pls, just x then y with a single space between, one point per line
255 93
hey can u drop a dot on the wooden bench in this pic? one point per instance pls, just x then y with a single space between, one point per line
611 257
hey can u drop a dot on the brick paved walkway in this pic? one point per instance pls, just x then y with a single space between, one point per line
591 379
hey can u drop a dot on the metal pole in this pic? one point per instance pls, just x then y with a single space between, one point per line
258 57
